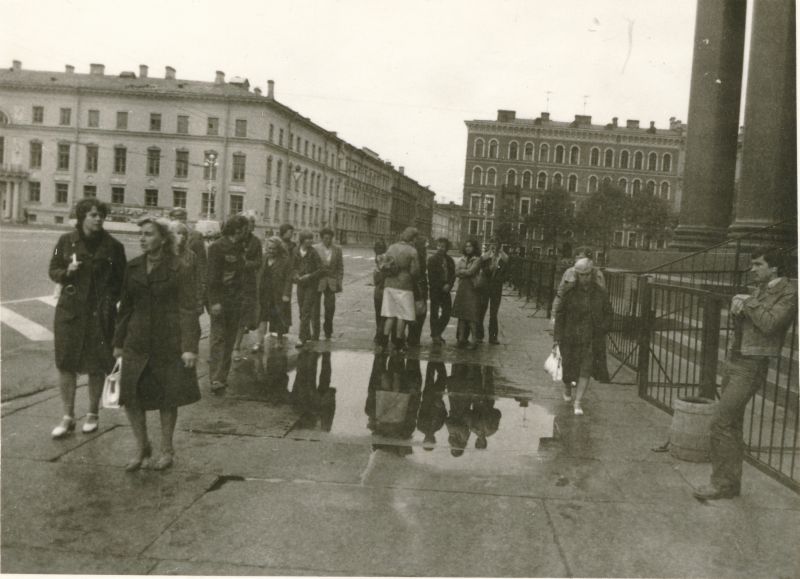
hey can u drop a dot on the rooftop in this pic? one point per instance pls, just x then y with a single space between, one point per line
584 122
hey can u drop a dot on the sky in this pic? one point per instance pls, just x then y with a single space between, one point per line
399 77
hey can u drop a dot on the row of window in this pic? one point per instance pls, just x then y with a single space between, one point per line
596 157
308 215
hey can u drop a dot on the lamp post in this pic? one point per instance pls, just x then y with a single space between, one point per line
210 165
296 174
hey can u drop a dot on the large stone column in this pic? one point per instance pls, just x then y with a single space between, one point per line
713 124
768 185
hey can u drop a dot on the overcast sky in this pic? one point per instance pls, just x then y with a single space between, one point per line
399 77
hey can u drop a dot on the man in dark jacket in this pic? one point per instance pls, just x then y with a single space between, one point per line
253 253
226 265
420 292
441 277
496 271
307 267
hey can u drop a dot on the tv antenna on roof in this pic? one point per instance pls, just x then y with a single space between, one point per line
585 100
547 106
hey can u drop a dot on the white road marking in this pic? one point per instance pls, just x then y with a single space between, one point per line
23 300
358 257
24 326
49 300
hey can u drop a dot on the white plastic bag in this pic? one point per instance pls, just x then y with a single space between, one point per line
553 365
111 386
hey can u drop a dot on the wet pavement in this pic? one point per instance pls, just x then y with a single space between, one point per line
333 460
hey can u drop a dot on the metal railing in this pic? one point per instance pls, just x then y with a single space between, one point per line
536 280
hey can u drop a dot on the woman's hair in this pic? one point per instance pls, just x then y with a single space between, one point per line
303 235
379 247
234 224
83 206
176 227
409 233
325 231
476 247
445 241
277 243
163 227
284 228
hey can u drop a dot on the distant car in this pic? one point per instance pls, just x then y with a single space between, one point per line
208 228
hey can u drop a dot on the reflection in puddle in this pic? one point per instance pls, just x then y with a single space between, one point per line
396 403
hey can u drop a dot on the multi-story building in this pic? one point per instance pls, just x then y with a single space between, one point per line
447 222
510 162
412 205
146 144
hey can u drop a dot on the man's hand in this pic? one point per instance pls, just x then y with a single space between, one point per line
737 304
286 299
216 309
446 288
73 266
189 359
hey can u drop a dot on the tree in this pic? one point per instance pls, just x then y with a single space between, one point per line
651 216
601 215
553 216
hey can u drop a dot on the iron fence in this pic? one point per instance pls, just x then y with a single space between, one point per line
537 280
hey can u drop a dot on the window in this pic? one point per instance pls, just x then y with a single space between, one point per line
558 180
666 163
179 198
277 214
637 187
618 238
652 162
572 184
58 219
92 157
38 115
208 204
34 191
155 121
90 191
541 181
122 120
559 154
473 227
475 204
181 164
638 158
608 159
528 155
62 193
298 141
280 138
239 163
631 239
210 166
241 128
491 177
278 171
94 118
305 148
269 170
651 188
511 177
303 215
544 152
153 161
624 158
664 190
594 157
36 155
120 160
271 132
489 204
151 197
493 149
513 150
592 184
574 155
488 226
63 156
477 148
118 195
623 184
527 180
212 127
524 206
183 125
65 118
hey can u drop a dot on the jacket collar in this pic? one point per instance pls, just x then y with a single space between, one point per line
137 269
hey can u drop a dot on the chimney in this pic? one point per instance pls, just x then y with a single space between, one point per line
169 73
652 128
631 124
69 69
402 170
257 91
16 65
506 116
583 120
271 89
97 69
615 122
142 71
546 117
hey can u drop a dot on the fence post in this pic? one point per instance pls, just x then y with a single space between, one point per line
551 289
712 315
645 302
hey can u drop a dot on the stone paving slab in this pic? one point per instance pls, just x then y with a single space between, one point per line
92 509
68 562
26 436
222 415
365 531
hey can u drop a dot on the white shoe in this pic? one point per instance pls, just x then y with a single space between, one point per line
578 410
67 425
90 424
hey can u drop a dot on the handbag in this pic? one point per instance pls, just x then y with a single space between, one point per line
110 396
552 365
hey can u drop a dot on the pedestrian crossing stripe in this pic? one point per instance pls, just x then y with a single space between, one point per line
28 328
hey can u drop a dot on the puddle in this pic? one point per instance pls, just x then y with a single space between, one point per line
396 403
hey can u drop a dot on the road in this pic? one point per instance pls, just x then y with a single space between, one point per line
27 305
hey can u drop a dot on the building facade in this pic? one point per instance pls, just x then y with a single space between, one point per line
412 205
447 222
145 144
510 162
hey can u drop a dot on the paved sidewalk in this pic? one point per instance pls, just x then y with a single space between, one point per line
261 486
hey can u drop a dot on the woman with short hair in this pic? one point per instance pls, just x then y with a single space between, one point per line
89 266
157 337
467 305
274 289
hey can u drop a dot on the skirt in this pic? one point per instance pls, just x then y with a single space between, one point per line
399 304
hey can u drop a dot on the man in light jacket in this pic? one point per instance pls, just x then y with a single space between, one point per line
330 282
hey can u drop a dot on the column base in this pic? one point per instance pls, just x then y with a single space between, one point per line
752 233
697 237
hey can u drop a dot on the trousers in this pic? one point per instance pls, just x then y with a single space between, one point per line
440 306
491 301
328 297
306 298
222 338
745 375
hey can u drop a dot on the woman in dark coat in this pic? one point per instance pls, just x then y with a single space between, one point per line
89 265
157 335
583 319
467 305
274 289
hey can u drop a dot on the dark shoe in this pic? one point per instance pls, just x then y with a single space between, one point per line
136 463
472 346
327 336
712 493
494 341
218 387
461 344
66 426
299 344
165 461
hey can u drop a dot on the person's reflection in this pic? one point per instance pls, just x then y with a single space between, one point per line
457 394
392 401
432 411
484 418
314 400
272 371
